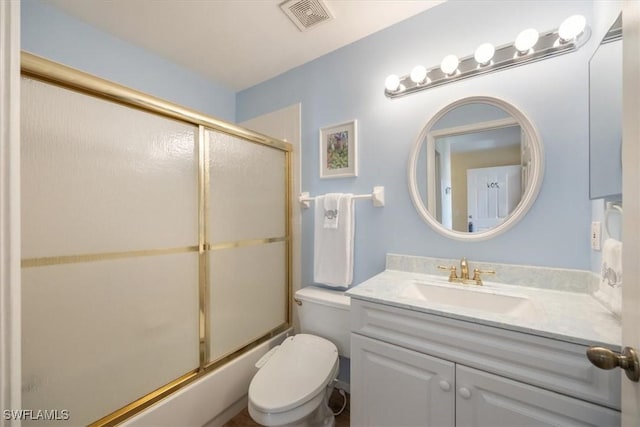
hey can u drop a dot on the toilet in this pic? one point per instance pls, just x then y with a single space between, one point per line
296 378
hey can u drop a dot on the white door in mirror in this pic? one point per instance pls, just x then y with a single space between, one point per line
492 194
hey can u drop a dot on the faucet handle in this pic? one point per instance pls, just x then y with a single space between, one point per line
453 273
476 275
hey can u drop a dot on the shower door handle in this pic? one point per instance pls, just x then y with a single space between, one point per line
604 358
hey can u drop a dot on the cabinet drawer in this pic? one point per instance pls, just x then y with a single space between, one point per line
551 364
486 400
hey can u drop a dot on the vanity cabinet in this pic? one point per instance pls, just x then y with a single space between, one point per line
393 386
410 368
485 399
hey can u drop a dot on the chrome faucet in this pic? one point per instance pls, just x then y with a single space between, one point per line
464 269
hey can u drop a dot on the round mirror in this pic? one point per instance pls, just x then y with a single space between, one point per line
476 168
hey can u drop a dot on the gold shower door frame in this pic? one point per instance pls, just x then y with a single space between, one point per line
54 73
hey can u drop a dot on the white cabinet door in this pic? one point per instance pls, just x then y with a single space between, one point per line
395 387
488 400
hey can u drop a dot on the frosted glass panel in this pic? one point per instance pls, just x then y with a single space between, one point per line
248 288
247 190
98 335
91 168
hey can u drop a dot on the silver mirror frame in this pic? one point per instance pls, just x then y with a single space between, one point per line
536 171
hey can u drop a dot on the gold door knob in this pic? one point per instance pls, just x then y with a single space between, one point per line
604 358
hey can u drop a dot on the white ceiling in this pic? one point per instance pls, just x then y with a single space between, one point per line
238 43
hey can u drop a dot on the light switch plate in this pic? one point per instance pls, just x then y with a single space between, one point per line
596 230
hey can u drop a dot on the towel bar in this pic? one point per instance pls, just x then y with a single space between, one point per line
377 197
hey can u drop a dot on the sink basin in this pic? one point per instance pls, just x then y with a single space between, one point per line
462 297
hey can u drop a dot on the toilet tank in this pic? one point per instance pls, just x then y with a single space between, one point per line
325 313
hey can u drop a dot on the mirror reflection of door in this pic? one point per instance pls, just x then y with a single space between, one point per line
492 194
485 145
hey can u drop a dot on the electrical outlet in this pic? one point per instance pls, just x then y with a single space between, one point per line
596 230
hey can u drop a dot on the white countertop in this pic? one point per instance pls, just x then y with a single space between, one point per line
568 316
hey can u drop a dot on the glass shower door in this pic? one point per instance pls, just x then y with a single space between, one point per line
155 245
110 255
247 240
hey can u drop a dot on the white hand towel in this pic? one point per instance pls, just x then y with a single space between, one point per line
610 289
331 212
333 247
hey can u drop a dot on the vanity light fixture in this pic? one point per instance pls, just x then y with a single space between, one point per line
419 74
526 40
449 65
392 83
484 54
529 46
571 28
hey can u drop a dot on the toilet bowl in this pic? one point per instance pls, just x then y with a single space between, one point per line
294 380
293 385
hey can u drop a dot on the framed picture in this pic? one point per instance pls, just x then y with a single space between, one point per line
339 150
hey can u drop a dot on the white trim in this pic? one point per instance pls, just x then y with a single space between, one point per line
631 201
475 127
10 365
528 198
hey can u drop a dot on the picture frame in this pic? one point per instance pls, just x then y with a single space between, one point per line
339 150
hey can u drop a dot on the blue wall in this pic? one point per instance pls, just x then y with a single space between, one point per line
48 32
348 84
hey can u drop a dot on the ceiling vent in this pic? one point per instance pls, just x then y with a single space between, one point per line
306 13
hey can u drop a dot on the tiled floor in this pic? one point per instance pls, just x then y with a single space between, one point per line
244 420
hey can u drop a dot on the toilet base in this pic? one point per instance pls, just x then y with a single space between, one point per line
322 416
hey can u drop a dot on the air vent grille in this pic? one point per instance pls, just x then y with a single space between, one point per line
306 13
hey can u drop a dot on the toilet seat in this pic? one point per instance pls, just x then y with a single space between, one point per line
297 373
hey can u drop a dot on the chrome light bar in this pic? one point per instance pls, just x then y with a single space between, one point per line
547 45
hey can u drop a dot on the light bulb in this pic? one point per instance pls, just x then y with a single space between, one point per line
418 74
526 40
572 27
484 53
449 64
392 83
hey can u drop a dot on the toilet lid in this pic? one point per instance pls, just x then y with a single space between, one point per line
302 366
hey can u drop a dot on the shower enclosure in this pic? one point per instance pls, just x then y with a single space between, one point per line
155 243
